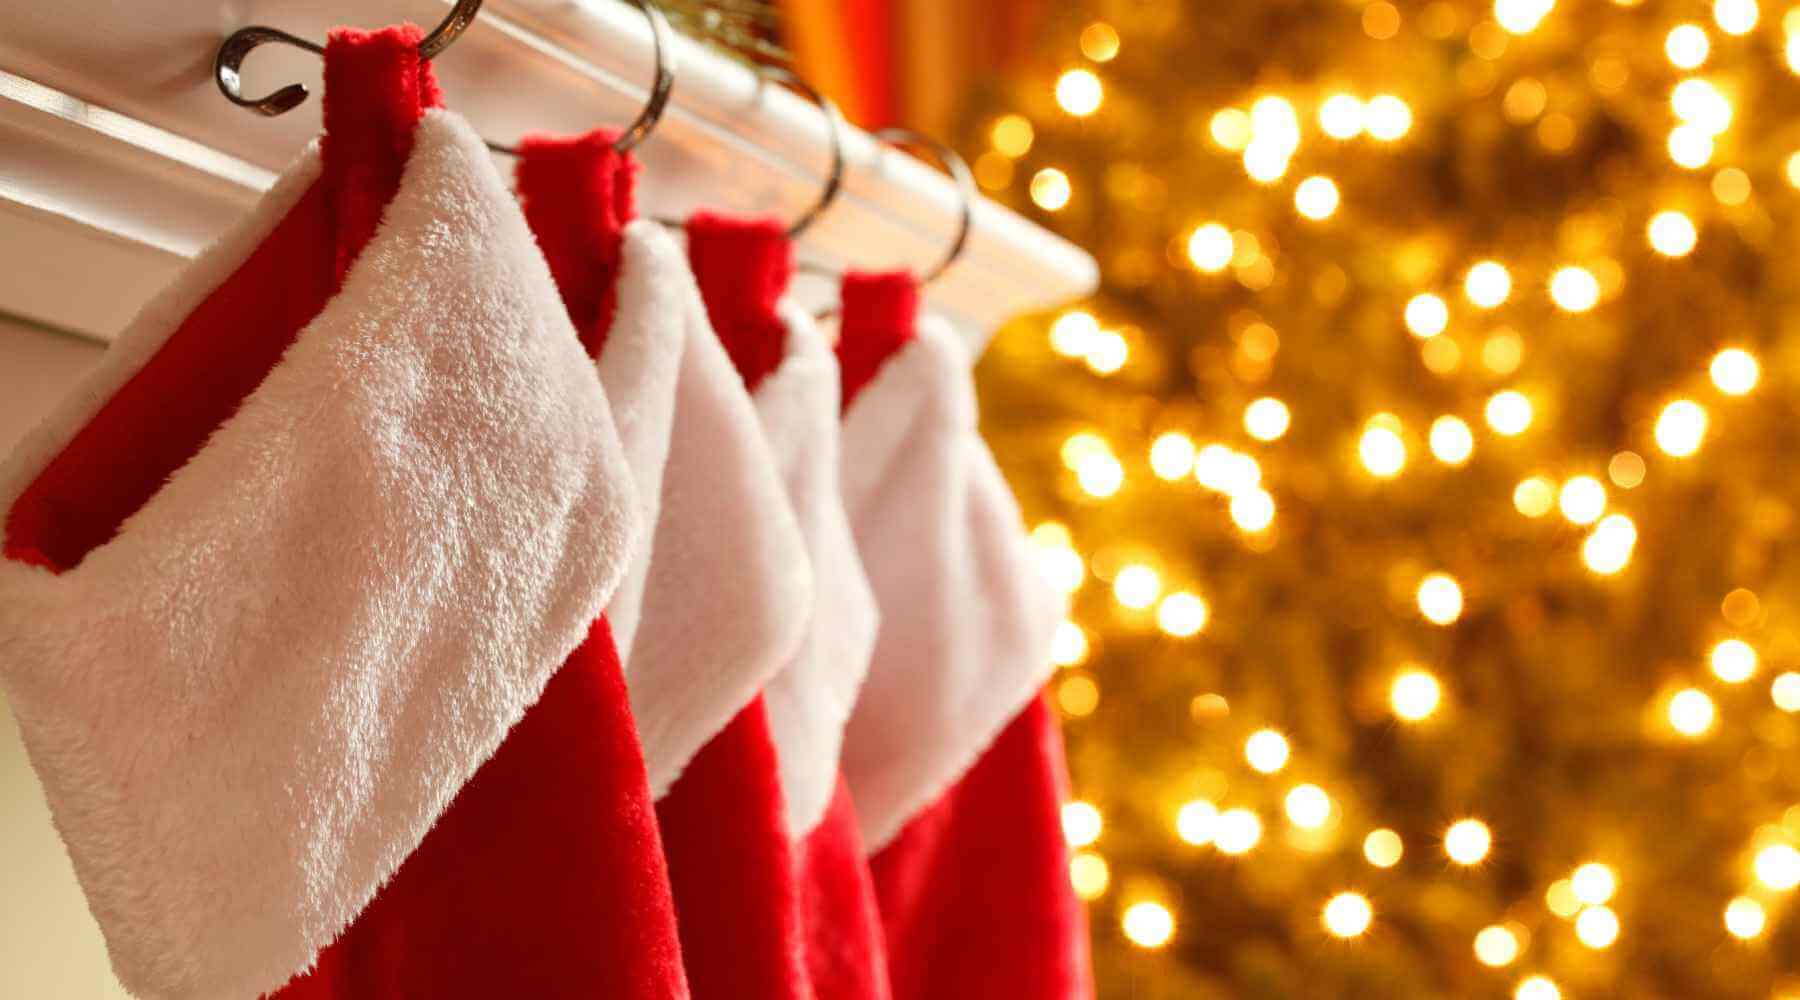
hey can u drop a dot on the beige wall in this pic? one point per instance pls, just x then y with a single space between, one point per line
50 948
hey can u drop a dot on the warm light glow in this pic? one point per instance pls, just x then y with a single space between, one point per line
1537 988
1148 925
1534 497
1348 915
1733 661
1700 104
1414 695
1427 315
1316 197
1100 475
1308 807
1197 822
1217 467
1687 46
1680 428
1452 442
1074 333
1583 499
1383 848
1672 234
1735 17
1137 586
1521 16
1181 614
1691 712
1266 750
1778 867
1081 823
1050 189
1253 510
1509 413
1089 874
1744 918
1230 128
1099 42
1597 927
1496 946
1108 353
1487 284
1467 841
1690 146
1237 832
1387 117
1560 898
1079 446
1013 135
1274 121
1079 92
1382 451
1266 419
1078 696
1069 645
1440 598
1341 116
1735 371
1626 470
1209 248
1265 162
1785 691
1503 352
1594 883
1172 455
1574 289
1608 548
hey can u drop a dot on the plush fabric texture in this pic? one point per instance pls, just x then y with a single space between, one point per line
731 863
716 601
975 893
728 831
546 876
846 954
286 568
966 620
743 268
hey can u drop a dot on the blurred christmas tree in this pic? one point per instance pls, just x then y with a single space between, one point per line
1421 479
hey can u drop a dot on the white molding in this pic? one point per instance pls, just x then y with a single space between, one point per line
123 158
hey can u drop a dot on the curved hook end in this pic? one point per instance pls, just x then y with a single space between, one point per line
228 66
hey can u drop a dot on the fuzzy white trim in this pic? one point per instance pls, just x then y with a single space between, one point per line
716 600
966 620
810 700
250 705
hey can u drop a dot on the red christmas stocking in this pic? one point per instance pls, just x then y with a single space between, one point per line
955 764
743 268
707 628
322 525
545 877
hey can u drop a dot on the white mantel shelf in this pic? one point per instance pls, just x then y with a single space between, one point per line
119 158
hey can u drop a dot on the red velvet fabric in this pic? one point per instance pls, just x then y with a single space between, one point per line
578 193
974 893
730 860
743 267
845 951
545 876
880 315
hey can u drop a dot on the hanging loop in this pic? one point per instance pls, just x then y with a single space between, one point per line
958 169
228 67
834 130
660 88
228 64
